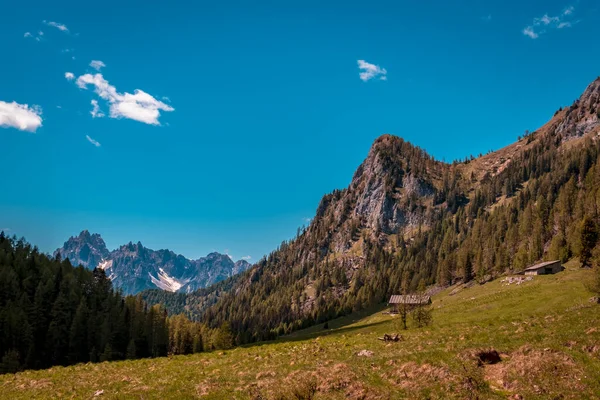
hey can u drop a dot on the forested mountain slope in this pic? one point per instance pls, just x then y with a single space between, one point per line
407 218
52 313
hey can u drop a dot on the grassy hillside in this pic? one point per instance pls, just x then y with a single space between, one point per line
546 331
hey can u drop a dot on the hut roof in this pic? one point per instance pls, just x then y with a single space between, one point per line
541 265
413 299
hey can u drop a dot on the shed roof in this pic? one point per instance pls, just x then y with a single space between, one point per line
409 299
541 265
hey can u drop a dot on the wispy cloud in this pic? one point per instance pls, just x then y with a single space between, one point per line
528 31
487 18
37 37
96 112
542 24
370 71
139 106
97 65
246 258
69 76
92 141
20 116
57 25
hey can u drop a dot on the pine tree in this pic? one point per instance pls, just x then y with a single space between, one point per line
589 238
10 362
131 350
78 338
57 340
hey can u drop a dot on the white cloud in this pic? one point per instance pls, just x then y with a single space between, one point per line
539 25
246 258
530 32
20 116
370 71
545 20
37 37
97 65
92 141
70 76
139 106
57 25
96 112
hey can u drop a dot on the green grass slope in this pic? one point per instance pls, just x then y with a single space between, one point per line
546 331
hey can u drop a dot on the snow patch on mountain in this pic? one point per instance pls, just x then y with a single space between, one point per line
166 282
133 268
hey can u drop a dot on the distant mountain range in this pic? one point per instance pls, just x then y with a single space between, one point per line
134 268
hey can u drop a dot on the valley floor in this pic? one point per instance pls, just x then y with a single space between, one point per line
546 332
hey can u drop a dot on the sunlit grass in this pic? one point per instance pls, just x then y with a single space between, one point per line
546 330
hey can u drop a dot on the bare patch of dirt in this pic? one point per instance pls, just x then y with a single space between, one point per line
545 373
203 389
36 384
325 380
418 380
593 349
412 376
484 356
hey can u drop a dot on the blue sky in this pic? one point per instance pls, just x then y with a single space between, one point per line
220 125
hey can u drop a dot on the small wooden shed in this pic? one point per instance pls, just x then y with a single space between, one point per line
411 300
545 268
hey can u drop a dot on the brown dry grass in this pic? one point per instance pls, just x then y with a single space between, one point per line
528 371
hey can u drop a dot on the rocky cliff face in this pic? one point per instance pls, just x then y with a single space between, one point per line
133 267
241 266
584 114
391 192
383 188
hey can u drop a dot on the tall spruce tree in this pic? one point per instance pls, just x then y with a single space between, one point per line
589 238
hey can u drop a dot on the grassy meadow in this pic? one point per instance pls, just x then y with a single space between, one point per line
546 332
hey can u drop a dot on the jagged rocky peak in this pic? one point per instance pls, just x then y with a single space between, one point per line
85 249
241 266
591 95
583 116
133 267
391 192
394 173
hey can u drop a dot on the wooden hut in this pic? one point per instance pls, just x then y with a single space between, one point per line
410 300
545 268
